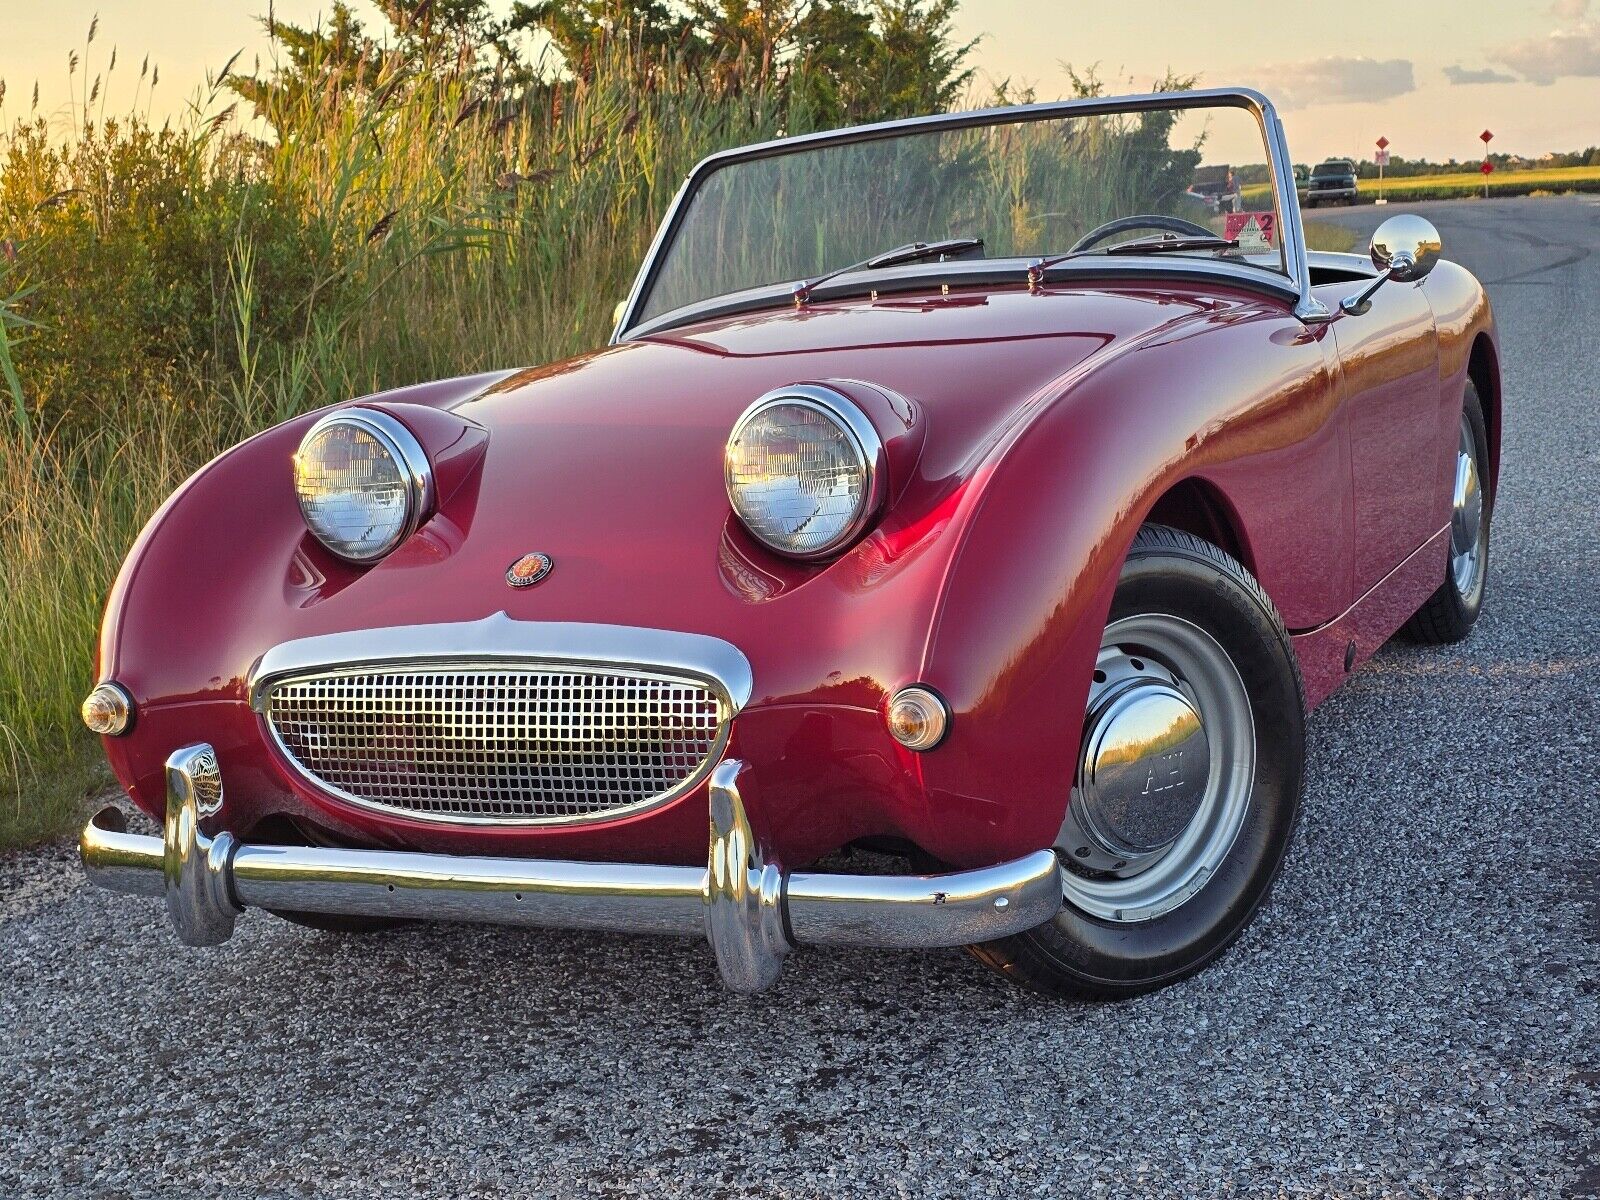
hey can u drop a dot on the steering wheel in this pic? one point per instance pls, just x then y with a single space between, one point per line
1139 221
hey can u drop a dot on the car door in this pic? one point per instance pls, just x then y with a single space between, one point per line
1389 369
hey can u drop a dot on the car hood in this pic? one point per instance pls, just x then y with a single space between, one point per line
638 430
611 464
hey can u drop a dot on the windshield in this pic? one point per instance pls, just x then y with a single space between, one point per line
1333 168
1026 186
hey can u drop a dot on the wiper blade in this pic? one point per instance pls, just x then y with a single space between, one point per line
1156 245
1162 245
909 253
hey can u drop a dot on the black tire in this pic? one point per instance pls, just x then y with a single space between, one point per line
1078 954
1448 616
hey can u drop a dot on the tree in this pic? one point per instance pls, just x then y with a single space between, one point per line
850 59
845 61
450 37
335 58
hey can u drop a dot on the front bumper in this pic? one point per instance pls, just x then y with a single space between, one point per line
751 910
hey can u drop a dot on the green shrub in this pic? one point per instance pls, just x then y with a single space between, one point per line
166 292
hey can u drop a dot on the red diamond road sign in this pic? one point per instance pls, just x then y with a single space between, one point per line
1486 137
1383 143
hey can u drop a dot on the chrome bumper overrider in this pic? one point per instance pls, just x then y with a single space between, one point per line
751 910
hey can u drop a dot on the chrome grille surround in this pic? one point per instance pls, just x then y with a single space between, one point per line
501 743
500 645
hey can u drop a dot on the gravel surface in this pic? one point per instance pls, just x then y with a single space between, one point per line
1415 1013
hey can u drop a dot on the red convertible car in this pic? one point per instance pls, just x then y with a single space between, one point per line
942 492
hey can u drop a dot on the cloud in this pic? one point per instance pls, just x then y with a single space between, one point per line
1543 60
1335 81
1569 10
1475 75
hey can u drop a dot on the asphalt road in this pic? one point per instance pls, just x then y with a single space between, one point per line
1416 1013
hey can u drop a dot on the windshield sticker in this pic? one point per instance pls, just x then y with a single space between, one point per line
1257 231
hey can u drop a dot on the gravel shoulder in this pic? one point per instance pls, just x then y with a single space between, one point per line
1417 1012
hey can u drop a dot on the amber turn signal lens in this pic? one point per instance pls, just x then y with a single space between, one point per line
108 711
918 718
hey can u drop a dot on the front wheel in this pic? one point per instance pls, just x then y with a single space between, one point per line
1187 784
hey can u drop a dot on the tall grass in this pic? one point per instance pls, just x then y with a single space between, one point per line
166 293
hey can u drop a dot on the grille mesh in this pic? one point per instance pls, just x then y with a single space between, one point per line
510 745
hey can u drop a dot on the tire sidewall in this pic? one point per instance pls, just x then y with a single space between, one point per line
1111 955
1472 408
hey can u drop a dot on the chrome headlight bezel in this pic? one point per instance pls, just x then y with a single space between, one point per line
415 470
859 433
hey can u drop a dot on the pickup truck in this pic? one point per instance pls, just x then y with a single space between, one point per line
1332 182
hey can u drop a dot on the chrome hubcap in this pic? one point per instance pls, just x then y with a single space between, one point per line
1466 518
1145 759
1164 779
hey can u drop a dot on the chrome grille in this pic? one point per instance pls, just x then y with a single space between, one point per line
510 745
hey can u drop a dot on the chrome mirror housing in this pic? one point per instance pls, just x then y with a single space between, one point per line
1404 249
1406 246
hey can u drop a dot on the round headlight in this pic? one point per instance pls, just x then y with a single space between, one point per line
363 481
804 470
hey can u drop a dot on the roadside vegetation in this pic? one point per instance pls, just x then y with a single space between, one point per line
414 201
369 208
1470 183
1460 185
1325 235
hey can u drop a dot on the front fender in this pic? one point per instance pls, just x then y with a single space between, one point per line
1245 404
209 574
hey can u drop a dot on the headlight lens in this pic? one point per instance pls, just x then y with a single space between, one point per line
802 470
363 481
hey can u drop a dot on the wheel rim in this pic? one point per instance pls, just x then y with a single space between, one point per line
1165 774
1467 531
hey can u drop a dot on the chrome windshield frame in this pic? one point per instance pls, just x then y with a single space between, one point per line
1286 200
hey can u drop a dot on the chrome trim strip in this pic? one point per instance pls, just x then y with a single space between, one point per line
1307 307
747 906
501 640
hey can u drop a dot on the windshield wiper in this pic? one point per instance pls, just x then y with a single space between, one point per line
909 253
1161 245
1152 245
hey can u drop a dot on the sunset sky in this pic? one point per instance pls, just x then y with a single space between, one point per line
1428 74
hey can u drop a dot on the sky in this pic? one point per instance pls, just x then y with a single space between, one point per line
1429 75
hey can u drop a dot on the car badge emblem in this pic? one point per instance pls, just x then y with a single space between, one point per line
528 570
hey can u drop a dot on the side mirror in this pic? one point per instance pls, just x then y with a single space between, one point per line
1404 249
